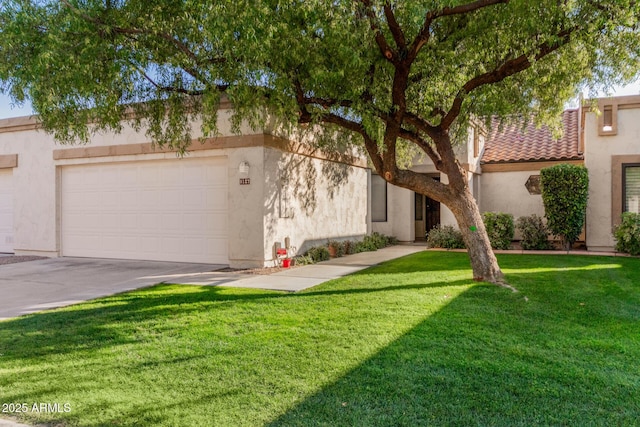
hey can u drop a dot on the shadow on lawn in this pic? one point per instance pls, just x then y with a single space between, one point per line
487 365
488 357
47 332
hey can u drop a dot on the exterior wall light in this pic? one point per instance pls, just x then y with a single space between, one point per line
243 168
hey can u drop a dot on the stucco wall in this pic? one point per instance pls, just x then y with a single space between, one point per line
310 200
246 233
36 181
599 152
400 214
506 192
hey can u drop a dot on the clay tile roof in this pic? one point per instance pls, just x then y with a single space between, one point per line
511 144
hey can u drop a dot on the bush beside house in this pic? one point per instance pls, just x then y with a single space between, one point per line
535 235
446 237
500 229
565 190
335 248
627 234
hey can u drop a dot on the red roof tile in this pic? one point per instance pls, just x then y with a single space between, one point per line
511 144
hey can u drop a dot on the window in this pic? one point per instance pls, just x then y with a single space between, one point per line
631 188
378 199
477 136
608 119
418 207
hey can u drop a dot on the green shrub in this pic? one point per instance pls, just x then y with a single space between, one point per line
365 245
377 240
318 253
627 234
336 246
534 233
374 241
565 190
445 236
349 247
499 228
303 260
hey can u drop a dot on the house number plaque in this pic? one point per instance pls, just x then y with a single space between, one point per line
245 181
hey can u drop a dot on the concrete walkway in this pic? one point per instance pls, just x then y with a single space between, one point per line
297 278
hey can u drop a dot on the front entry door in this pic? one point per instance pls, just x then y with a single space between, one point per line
427 215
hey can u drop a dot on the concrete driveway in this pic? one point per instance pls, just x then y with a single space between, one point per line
39 285
33 286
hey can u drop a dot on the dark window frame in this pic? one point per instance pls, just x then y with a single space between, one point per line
626 166
386 200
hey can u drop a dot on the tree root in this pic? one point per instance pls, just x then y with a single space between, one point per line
499 282
503 283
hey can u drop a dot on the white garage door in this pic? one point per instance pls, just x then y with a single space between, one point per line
6 210
167 210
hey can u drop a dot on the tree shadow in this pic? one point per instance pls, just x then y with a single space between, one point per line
487 357
305 186
565 355
44 333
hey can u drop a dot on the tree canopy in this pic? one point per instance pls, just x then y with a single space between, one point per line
85 61
392 75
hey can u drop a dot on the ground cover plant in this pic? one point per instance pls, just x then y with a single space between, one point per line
410 342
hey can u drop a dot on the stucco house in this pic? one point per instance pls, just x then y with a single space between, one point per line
235 198
504 166
232 200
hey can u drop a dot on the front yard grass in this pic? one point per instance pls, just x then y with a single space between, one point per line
411 342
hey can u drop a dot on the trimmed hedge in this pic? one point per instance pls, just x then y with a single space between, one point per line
500 229
565 190
627 234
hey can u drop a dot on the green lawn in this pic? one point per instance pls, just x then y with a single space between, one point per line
412 342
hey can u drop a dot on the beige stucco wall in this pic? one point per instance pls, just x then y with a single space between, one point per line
36 181
400 214
310 200
599 151
506 192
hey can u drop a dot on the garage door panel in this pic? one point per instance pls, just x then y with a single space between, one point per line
156 210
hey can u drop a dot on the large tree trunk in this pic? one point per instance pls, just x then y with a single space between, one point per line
458 198
483 261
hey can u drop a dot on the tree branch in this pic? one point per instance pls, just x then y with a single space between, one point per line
423 36
394 27
507 69
369 144
178 44
467 8
169 88
424 145
383 45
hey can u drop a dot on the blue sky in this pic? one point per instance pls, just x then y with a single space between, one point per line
8 110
